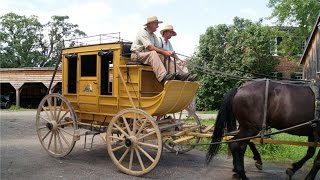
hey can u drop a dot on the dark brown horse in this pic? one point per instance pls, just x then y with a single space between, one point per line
288 105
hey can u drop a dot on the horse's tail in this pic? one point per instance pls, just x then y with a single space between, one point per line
224 119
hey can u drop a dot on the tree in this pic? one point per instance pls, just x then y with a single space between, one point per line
25 42
58 30
241 49
295 13
19 39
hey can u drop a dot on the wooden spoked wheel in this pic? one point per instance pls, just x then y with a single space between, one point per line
56 125
134 141
191 123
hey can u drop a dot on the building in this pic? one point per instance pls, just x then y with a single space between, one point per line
286 69
27 86
311 56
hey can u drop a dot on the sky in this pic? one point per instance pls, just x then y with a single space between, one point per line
189 18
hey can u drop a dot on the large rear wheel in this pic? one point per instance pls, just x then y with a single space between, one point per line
134 141
56 125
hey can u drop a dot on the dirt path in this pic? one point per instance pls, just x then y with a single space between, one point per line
22 157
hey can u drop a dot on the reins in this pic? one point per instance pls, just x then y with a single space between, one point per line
311 123
232 76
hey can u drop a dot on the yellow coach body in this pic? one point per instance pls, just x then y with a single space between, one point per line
99 83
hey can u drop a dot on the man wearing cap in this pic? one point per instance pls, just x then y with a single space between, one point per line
167 32
146 49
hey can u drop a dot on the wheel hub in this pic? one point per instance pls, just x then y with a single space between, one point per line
130 141
49 126
52 125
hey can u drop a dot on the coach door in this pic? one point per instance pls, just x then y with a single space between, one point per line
88 83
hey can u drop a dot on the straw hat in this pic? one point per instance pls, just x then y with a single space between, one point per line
168 28
152 19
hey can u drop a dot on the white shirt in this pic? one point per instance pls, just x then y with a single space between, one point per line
143 40
165 45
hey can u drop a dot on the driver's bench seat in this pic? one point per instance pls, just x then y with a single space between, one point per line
126 52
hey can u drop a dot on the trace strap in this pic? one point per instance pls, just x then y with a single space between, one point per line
264 126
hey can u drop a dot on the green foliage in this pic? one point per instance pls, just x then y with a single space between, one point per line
241 49
19 40
25 42
59 30
301 15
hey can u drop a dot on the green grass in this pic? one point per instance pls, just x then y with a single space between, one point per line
268 152
207 122
16 108
282 152
207 112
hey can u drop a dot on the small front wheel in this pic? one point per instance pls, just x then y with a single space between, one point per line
56 124
190 121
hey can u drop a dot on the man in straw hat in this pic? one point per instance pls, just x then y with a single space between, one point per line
182 71
146 49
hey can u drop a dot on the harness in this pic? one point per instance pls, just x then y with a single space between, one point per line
168 60
315 123
264 126
161 42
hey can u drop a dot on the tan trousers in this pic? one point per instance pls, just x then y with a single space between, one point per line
153 59
181 67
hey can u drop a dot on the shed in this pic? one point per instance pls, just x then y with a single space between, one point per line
28 85
311 56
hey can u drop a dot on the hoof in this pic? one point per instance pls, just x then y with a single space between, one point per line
289 173
236 176
258 166
310 177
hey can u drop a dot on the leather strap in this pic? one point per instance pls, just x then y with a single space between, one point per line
264 126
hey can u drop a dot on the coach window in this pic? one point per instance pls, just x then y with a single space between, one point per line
72 72
89 65
105 71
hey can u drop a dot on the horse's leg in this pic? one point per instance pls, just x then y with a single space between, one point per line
295 166
256 155
315 168
243 147
238 166
238 149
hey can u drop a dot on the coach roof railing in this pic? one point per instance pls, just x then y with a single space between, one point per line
96 39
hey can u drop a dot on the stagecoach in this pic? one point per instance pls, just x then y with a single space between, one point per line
105 94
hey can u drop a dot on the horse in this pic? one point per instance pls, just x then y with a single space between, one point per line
287 105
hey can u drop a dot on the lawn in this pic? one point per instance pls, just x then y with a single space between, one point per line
269 152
